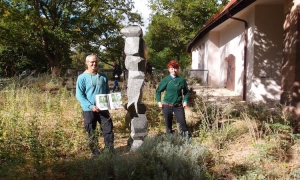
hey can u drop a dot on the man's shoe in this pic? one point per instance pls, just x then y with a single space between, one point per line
95 153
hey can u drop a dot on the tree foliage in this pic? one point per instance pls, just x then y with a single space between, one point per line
173 24
52 29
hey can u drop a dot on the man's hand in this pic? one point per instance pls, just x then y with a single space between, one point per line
95 109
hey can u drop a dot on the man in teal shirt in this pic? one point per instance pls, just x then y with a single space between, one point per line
175 99
88 85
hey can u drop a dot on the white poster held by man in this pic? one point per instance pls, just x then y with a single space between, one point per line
109 101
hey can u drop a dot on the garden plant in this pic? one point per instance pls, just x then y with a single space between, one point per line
42 137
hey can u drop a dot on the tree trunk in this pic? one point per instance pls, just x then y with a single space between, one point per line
55 66
53 59
55 71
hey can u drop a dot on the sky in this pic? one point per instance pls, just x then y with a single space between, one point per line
142 8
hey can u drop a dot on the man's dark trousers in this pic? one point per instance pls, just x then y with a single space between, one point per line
90 123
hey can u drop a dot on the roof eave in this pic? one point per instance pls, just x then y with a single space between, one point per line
233 9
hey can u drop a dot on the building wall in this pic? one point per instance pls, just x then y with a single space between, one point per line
263 52
205 55
213 60
199 58
232 42
218 45
268 38
250 53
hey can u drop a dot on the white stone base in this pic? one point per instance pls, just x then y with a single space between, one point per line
136 144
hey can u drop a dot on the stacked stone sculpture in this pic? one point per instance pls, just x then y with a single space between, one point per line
135 64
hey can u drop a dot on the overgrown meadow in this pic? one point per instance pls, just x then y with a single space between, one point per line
42 137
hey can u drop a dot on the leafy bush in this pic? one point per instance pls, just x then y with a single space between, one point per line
175 158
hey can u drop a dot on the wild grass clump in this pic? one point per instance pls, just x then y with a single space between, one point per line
37 128
224 123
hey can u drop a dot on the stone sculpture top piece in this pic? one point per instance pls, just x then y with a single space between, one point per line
132 31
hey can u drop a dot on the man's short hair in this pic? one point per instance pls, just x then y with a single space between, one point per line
89 56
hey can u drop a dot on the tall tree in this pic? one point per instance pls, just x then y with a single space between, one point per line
54 27
174 23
